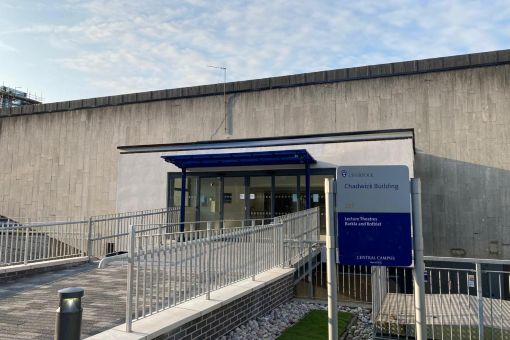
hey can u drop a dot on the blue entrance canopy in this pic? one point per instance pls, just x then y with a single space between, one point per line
241 159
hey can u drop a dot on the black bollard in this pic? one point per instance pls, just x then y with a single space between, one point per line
68 323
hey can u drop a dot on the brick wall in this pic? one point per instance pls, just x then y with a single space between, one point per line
223 320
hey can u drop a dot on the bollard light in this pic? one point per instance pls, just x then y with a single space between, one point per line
68 323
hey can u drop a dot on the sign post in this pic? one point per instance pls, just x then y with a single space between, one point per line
419 265
329 185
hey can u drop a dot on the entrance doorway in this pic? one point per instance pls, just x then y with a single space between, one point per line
240 197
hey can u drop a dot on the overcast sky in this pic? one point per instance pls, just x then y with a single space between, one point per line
71 49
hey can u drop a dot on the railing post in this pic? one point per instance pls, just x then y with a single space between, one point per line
129 290
310 276
89 239
282 244
208 269
253 251
479 295
25 260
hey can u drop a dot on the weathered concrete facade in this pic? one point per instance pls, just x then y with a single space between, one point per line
65 162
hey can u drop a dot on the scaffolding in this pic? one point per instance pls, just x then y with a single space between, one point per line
12 97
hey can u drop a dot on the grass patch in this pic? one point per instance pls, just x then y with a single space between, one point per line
315 326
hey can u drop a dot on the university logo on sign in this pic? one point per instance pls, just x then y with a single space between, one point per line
374 215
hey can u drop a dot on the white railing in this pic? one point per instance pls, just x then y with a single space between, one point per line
23 244
167 269
109 233
465 299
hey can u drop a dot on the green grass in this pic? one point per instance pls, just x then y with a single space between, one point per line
315 326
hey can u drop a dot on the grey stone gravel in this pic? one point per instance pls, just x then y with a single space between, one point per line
270 326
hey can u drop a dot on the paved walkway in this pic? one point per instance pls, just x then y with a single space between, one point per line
28 305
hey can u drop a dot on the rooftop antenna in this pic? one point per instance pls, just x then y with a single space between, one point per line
224 68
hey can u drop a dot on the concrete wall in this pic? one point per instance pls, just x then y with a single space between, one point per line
65 162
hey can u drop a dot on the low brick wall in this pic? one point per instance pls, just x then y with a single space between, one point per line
225 319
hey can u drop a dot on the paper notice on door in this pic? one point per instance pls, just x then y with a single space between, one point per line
241 196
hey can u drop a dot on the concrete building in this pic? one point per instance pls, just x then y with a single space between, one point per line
62 159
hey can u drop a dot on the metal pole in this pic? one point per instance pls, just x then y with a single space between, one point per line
253 250
308 200
208 269
129 293
419 264
183 200
329 187
89 239
25 260
479 295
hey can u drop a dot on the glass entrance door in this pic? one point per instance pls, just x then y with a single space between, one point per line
260 198
234 201
210 200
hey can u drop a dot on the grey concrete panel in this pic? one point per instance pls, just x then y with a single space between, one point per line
243 85
381 70
38 108
405 67
27 109
457 61
51 107
157 95
430 64
280 82
175 93
143 96
259 84
337 75
358 72
102 101
90 102
297 79
483 58
503 56
316 77
75 104
126 98
118 100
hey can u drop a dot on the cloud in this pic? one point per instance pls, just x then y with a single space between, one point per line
126 46
8 48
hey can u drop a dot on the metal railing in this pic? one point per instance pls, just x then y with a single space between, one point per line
465 299
23 244
108 234
97 236
167 269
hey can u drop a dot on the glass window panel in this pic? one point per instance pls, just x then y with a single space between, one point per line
210 191
317 196
260 198
233 201
286 195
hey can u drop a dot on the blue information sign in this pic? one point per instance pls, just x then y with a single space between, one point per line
374 215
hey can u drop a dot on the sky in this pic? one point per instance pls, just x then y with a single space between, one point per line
73 49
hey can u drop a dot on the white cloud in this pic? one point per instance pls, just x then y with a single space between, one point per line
126 46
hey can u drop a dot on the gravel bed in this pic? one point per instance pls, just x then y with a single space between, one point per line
270 326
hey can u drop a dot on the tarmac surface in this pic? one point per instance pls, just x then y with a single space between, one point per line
28 305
